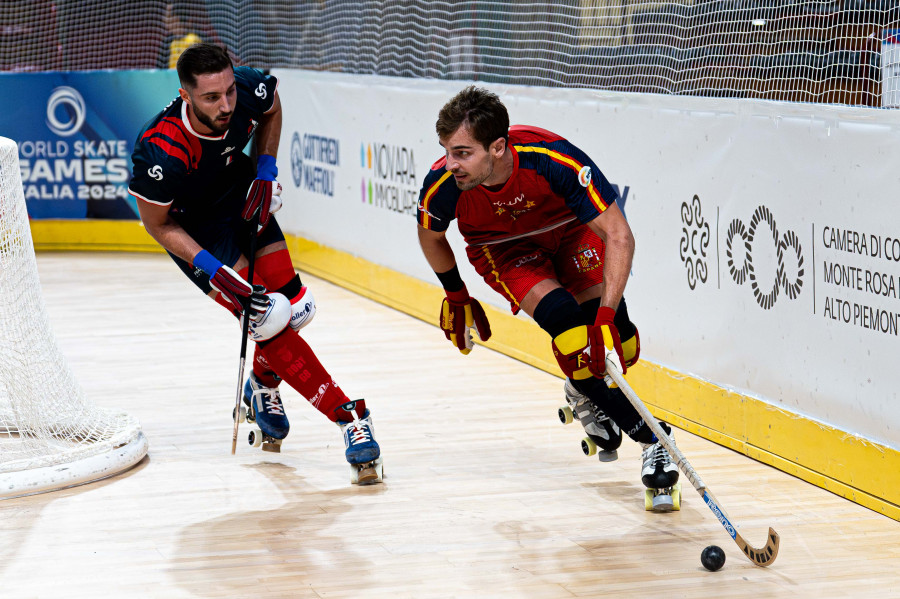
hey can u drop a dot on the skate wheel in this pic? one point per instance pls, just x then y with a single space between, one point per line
676 497
255 438
648 500
588 446
242 415
565 415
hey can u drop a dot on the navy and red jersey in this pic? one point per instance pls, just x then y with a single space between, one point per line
178 167
552 183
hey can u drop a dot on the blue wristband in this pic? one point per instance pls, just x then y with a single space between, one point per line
207 263
265 168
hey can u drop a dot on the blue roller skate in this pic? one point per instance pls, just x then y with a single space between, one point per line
266 410
362 453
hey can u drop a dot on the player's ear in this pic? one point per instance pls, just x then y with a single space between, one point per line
184 95
498 147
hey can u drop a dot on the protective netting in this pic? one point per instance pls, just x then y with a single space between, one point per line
840 51
45 417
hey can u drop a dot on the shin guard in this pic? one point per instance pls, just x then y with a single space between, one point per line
294 361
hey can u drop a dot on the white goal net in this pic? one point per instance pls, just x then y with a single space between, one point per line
51 435
833 51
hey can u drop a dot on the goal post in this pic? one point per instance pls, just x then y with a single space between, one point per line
51 435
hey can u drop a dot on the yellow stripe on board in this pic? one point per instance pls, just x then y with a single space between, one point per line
857 469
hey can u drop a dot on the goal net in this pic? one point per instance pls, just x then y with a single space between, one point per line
51 435
834 51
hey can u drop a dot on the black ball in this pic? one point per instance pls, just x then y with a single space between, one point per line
712 558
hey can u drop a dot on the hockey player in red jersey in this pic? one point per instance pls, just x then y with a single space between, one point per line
543 229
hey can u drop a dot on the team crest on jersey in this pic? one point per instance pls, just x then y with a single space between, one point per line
252 127
587 258
156 172
584 176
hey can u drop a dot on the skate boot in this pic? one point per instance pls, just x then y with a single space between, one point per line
363 453
266 410
603 436
660 475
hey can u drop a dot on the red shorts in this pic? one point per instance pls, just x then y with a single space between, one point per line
571 254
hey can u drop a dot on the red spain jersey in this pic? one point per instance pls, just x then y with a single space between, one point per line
553 183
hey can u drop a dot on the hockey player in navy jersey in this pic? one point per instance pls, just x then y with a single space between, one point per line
198 193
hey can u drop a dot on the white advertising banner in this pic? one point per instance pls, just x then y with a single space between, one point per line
768 234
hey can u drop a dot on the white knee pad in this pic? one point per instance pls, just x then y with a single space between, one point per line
274 320
303 308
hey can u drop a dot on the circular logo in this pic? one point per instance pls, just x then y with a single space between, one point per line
69 100
584 176
296 159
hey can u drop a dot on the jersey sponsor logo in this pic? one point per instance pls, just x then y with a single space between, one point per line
261 91
584 176
69 99
156 172
526 260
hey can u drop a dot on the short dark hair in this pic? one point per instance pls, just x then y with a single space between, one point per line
480 110
201 59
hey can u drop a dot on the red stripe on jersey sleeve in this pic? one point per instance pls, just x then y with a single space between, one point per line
171 150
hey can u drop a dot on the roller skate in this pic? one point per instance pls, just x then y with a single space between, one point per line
363 453
660 475
603 435
264 408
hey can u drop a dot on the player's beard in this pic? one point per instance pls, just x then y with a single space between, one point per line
211 122
474 182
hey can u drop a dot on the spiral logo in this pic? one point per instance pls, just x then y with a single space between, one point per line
71 101
694 242
787 248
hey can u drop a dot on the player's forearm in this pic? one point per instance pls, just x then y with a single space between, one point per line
613 229
616 269
173 238
437 250
269 134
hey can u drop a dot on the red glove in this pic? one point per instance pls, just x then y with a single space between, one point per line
264 193
238 291
459 315
605 343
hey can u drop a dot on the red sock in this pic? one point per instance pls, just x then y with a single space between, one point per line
262 370
295 362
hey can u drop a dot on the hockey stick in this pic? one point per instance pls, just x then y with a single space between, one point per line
245 331
761 557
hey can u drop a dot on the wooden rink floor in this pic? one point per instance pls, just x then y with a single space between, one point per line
486 493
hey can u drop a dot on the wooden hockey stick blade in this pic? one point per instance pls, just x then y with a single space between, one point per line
761 557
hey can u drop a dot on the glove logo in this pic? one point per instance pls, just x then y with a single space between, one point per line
791 283
694 242
156 172
261 91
